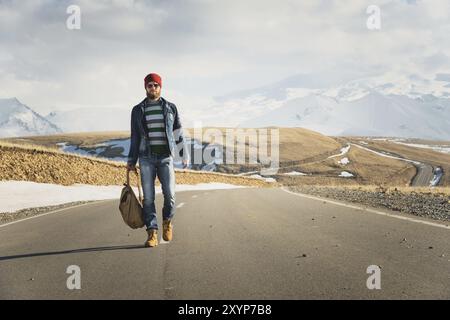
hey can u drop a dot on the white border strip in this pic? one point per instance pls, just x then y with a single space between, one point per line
53 211
433 224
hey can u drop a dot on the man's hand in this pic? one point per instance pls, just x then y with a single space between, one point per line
131 167
185 163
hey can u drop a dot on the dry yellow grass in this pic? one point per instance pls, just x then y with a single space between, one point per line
300 150
295 145
83 138
367 167
428 156
46 165
302 144
420 154
374 169
429 142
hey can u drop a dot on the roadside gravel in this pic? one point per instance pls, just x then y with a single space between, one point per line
428 205
6 217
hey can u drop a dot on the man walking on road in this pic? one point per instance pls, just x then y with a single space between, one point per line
156 133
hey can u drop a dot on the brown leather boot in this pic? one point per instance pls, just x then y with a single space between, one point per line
167 230
152 240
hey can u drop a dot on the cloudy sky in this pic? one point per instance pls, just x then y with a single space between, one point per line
205 48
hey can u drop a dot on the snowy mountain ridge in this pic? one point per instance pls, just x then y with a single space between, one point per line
17 119
407 107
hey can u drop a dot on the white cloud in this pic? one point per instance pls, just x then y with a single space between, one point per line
204 48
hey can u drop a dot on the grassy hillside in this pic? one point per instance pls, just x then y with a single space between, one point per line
429 156
367 168
295 145
45 165
84 139
299 150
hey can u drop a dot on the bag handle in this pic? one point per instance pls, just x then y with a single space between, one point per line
138 183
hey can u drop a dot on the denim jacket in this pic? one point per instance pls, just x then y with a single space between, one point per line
139 144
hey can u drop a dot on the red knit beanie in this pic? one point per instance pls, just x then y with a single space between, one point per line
152 77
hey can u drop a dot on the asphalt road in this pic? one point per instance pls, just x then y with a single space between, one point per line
228 244
424 175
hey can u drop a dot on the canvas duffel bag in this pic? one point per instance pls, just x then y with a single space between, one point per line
130 207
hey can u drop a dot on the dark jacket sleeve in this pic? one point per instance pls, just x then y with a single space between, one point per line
135 139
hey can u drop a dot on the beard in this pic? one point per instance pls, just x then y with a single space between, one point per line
153 95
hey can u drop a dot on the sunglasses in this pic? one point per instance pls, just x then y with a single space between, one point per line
152 85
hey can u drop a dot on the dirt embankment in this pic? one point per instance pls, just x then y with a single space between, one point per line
44 165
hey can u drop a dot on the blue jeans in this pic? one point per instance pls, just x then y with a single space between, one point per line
161 166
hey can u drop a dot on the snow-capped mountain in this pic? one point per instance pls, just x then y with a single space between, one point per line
373 114
412 86
409 106
17 119
91 119
360 107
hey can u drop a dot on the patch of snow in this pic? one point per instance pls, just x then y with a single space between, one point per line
387 156
101 147
397 139
344 161
31 194
117 143
211 152
347 95
295 173
69 148
346 174
247 173
343 151
257 176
